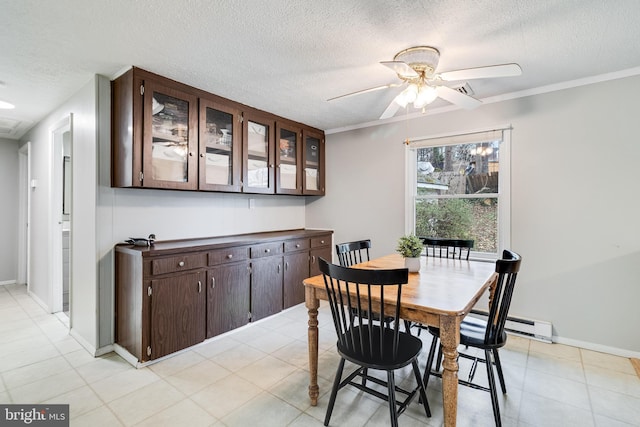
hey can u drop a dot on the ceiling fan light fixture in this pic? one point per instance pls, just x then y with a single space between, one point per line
423 59
426 95
407 96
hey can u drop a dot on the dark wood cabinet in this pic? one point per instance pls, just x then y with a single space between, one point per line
177 293
177 313
228 297
266 287
296 269
313 155
169 135
258 155
320 248
220 158
288 156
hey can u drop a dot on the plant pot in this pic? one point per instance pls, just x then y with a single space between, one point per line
413 264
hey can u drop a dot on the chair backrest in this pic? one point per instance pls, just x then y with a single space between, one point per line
350 253
447 248
499 301
352 292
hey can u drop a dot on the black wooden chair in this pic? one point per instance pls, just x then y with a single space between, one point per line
350 253
447 248
486 335
372 345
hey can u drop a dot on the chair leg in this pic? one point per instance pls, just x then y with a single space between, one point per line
439 359
427 369
422 388
334 391
407 326
492 388
391 386
496 358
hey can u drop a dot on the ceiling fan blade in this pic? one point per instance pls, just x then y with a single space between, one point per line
401 68
371 89
458 98
391 110
504 70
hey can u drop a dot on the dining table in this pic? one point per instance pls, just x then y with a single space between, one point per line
440 294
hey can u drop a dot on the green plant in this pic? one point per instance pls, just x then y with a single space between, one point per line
410 246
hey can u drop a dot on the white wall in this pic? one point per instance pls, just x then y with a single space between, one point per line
574 199
82 105
9 211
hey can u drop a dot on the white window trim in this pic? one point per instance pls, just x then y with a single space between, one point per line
504 184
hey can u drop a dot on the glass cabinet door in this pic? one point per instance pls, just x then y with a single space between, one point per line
288 154
258 154
219 147
313 163
170 138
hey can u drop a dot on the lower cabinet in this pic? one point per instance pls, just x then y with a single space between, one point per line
178 307
296 269
228 291
266 287
178 293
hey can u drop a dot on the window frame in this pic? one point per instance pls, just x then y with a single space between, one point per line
504 183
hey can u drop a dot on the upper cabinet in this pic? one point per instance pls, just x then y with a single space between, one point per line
288 159
170 138
258 167
169 135
220 147
313 154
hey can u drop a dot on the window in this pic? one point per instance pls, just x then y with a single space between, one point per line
459 188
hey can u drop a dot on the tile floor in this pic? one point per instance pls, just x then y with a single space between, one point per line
257 376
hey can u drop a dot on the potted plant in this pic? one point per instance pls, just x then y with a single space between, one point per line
410 247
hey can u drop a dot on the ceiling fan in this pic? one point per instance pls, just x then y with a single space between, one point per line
416 68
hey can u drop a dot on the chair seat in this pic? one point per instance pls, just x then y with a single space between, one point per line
408 348
472 333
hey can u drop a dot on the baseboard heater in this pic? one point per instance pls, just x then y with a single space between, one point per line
534 329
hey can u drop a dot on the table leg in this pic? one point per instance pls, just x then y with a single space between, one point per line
312 303
450 339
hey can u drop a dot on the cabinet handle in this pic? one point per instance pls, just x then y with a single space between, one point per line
190 153
286 265
230 256
322 242
181 264
313 259
213 283
201 154
297 245
199 286
267 250
278 268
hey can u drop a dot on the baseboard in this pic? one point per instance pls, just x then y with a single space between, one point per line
84 343
597 347
41 303
636 365
8 282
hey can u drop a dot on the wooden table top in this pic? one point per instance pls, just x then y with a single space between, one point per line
443 285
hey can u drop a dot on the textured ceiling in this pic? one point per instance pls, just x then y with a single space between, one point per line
289 56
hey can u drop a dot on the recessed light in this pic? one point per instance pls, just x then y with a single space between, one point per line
6 105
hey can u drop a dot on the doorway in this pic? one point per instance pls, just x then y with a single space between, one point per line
62 206
24 213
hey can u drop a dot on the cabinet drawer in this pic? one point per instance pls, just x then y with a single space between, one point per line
222 256
320 241
266 249
296 245
178 263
